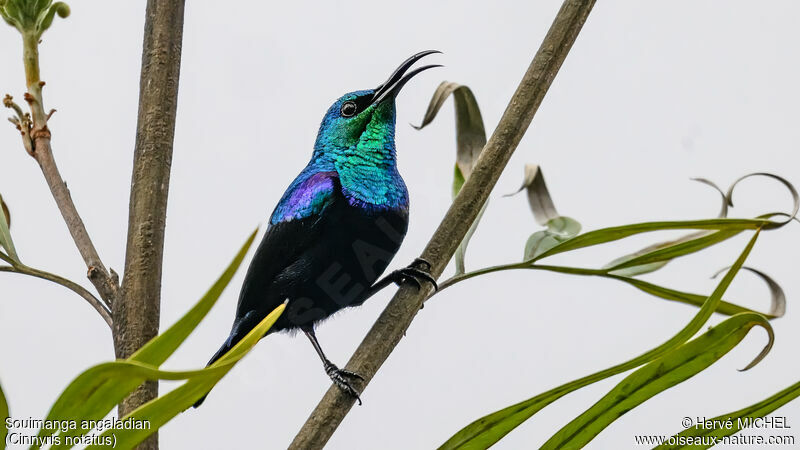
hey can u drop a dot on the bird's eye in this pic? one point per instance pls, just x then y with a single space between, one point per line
348 109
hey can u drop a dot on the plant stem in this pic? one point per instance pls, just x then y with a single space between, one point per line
30 57
466 276
396 318
39 145
98 305
136 313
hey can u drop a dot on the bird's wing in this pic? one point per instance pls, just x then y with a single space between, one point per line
295 227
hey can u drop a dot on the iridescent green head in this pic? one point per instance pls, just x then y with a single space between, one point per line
363 121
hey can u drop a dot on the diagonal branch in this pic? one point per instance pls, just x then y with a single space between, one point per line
99 306
104 282
396 318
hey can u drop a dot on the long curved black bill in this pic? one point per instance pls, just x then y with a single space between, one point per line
396 80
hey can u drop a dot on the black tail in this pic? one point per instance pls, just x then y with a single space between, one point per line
240 329
229 343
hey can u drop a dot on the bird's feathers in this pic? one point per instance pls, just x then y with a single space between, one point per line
308 195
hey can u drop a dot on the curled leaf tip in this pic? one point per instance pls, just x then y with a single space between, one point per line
539 199
62 9
511 194
785 182
725 200
765 351
777 295
470 140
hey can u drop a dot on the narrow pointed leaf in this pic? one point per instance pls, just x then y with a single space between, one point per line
461 251
738 419
539 198
662 253
94 384
470 140
785 182
97 390
162 346
5 234
489 429
611 234
723 212
777 295
637 263
161 410
724 307
470 132
667 371
558 228
3 415
6 212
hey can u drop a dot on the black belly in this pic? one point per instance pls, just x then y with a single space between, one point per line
351 252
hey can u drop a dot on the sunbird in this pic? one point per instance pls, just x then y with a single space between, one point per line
338 225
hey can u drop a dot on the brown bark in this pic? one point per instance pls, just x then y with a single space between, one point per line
396 318
136 312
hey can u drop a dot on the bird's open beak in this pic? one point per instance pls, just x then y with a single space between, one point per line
396 81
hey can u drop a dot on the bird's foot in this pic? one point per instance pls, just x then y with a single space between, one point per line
417 272
343 379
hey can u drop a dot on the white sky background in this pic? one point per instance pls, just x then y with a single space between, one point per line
653 93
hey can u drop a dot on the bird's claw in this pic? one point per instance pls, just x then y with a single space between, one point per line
343 379
414 273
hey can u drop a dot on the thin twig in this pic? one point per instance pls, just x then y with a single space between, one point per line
396 318
98 305
97 272
36 139
466 276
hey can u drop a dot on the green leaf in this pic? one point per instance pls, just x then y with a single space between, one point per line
97 390
667 371
458 180
611 234
724 307
738 419
32 16
13 15
96 384
6 212
45 18
786 183
489 429
559 230
94 393
470 140
5 234
159 411
654 257
539 199
723 212
3 415
470 132
777 296
159 349
658 255
461 251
